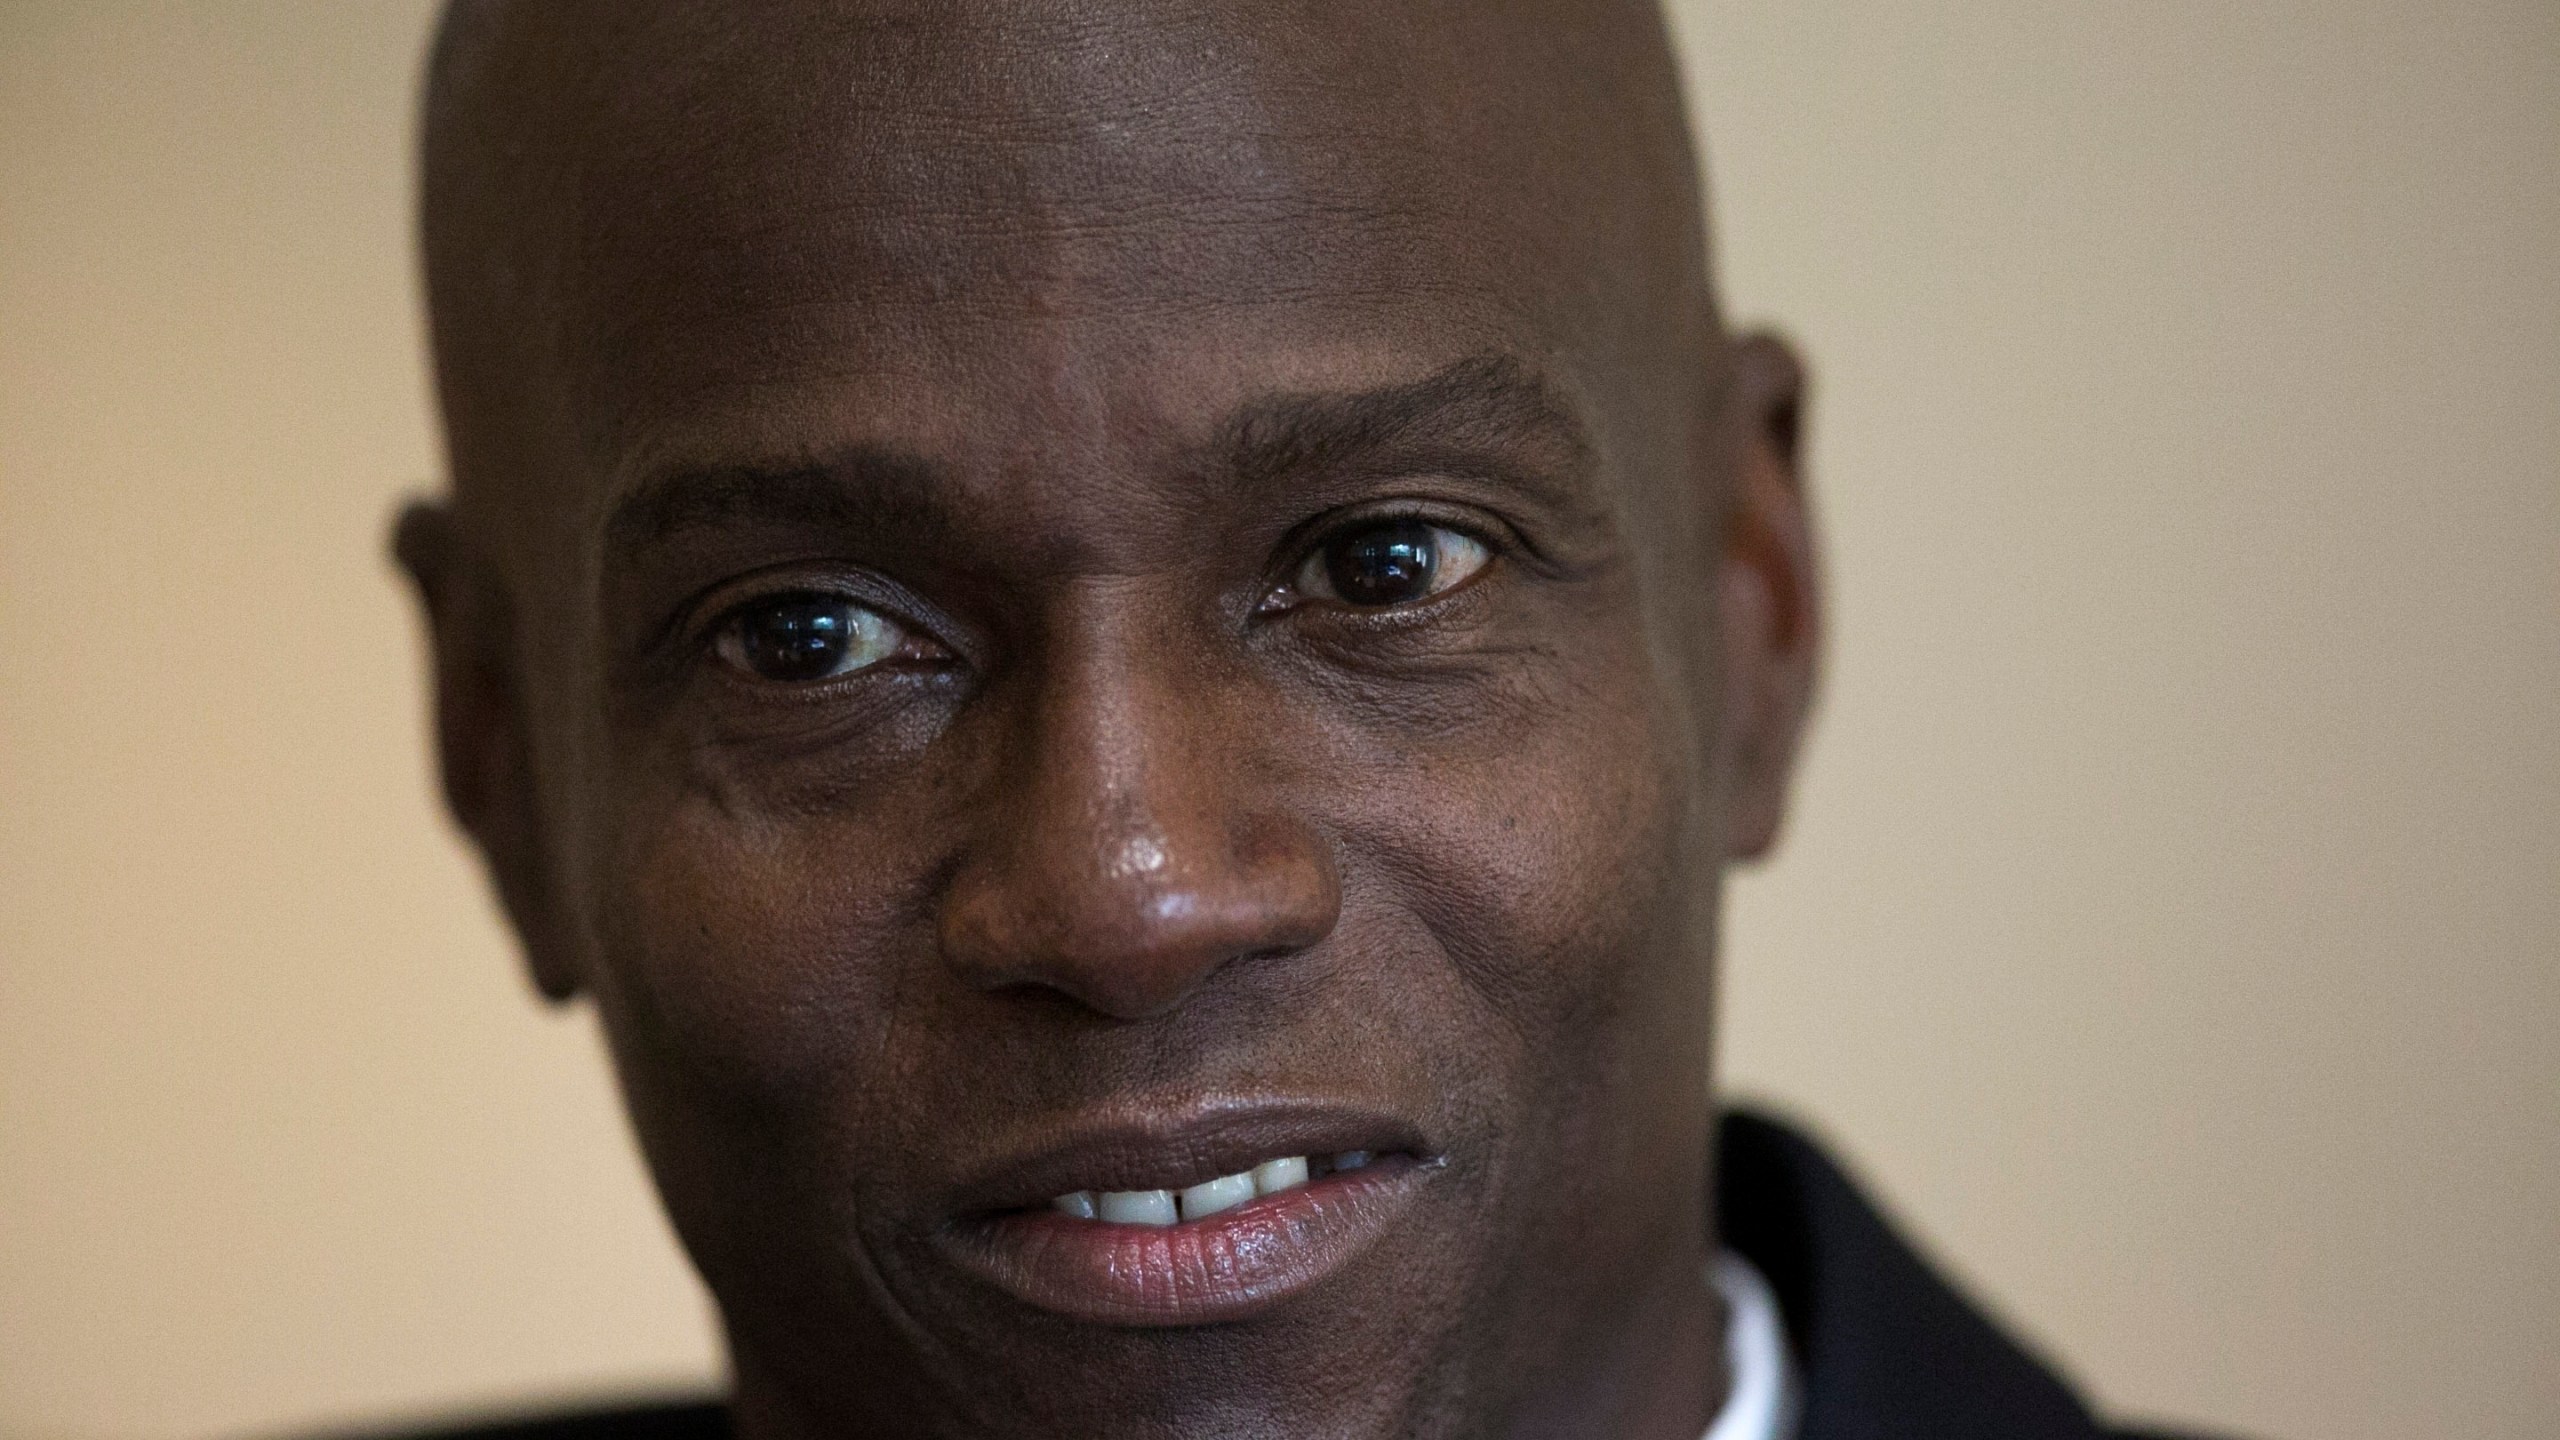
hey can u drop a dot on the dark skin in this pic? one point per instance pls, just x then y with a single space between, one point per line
922 643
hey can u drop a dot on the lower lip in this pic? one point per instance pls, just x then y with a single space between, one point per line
1229 1266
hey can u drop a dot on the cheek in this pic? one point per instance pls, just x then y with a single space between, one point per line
1559 852
1551 854
750 963
1548 847
1565 892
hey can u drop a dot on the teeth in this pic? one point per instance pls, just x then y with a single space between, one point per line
1351 1160
1224 1193
1273 1176
1165 1207
1137 1207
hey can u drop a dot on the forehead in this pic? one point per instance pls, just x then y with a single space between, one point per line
1005 226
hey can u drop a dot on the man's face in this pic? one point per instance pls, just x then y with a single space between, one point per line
1117 684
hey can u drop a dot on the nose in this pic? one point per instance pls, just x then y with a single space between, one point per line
1129 851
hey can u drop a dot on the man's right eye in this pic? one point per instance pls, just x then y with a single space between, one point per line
806 638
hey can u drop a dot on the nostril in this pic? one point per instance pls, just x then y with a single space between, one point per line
1130 956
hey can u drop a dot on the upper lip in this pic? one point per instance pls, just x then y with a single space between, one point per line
1137 1147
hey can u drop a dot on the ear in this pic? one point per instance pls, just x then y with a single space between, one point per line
1769 591
483 744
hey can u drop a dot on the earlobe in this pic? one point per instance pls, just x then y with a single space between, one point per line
1769 589
482 745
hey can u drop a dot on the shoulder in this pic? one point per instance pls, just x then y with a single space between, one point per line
1887 1345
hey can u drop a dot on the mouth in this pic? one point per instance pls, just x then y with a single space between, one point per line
1188 1222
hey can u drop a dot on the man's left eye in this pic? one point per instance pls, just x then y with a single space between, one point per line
1392 562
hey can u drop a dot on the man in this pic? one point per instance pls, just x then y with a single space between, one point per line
1123 643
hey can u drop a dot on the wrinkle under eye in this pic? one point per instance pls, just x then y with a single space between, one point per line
802 639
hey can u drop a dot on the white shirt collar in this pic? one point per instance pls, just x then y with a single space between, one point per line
1766 1394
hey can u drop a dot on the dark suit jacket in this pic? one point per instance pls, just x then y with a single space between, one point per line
1890 1351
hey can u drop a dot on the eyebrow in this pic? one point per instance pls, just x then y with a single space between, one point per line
861 487
1477 414
1488 415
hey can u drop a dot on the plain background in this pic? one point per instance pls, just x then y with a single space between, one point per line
2170 926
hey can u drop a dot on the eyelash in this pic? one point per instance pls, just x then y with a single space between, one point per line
703 624
705 633
1498 541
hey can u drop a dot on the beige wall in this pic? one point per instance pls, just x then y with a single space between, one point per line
2172 921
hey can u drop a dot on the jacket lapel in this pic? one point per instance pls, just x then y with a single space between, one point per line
1889 1349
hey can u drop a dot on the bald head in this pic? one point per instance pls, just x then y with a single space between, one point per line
864 180
1122 642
